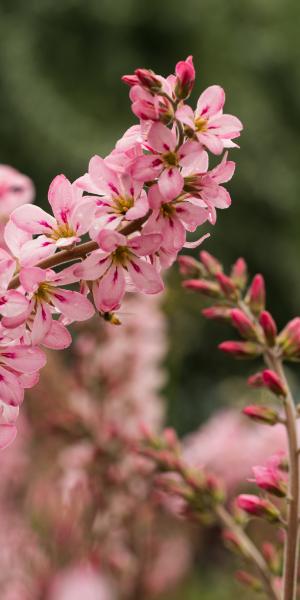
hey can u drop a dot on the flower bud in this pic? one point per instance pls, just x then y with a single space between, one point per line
239 273
256 295
188 265
130 80
274 383
272 557
217 312
207 288
232 541
258 507
185 77
249 581
241 349
256 380
269 327
261 414
227 285
271 480
244 325
148 80
212 265
289 340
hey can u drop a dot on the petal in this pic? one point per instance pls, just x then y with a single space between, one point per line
93 267
7 435
155 197
110 290
31 277
197 243
7 268
210 102
143 245
145 277
83 215
185 114
15 238
146 167
33 219
225 126
35 250
224 171
12 303
41 323
26 359
191 215
173 234
72 305
170 183
139 209
109 240
212 142
193 158
29 380
11 392
161 139
58 337
60 197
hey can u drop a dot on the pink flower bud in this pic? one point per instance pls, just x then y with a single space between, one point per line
261 414
249 581
272 557
274 383
211 264
148 80
256 380
289 340
185 77
227 285
256 295
239 273
258 507
207 288
244 325
130 80
269 327
217 312
241 349
170 437
232 542
271 480
188 265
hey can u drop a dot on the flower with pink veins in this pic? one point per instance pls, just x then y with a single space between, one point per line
117 259
166 160
205 189
173 219
122 198
73 214
208 124
45 299
18 366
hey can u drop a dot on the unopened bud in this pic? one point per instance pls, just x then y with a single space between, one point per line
217 312
258 507
272 557
170 437
227 285
256 295
271 480
239 273
241 349
185 77
256 380
148 80
274 383
212 265
245 326
249 581
207 288
188 265
269 327
289 340
232 541
261 414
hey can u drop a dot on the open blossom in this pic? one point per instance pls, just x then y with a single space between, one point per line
73 215
121 197
208 124
117 257
165 160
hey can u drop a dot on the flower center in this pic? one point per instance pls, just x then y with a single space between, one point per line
123 204
63 231
170 159
201 124
121 255
43 292
167 210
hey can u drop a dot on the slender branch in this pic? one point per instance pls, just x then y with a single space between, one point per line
251 550
77 252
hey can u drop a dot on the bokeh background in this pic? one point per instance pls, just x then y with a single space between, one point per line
62 101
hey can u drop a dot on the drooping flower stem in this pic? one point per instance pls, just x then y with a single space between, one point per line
77 252
250 549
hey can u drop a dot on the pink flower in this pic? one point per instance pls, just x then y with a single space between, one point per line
122 198
117 258
46 298
185 77
73 215
15 189
208 124
165 160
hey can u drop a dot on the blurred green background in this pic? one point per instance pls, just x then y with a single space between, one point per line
62 101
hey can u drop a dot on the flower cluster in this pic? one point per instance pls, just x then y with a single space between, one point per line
136 205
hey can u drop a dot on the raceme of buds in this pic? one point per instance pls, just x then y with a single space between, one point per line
241 349
137 205
258 507
261 414
269 327
289 340
245 326
256 295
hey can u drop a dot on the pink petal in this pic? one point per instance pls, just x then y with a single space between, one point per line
31 277
26 359
41 323
212 142
72 305
225 126
15 238
144 276
170 183
7 268
193 158
104 178
161 139
210 102
155 197
143 245
35 250
173 234
139 209
147 167
58 337
110 290
192 216
93 267
110 240
197 243
11 392
12 303
33 219
60 198
224 171
185 114
7 435
83 214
